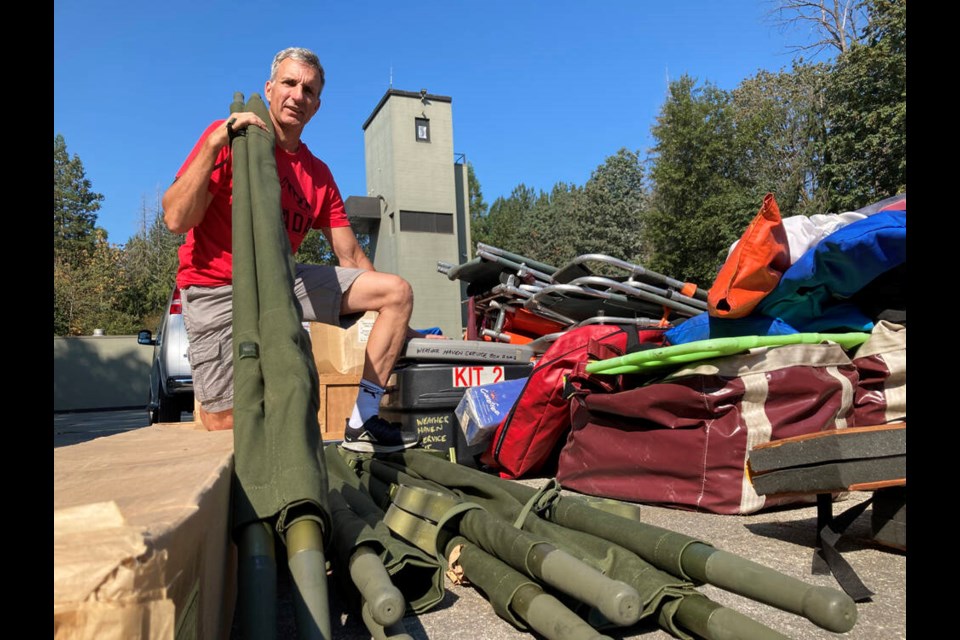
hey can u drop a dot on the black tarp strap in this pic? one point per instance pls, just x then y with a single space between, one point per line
826 558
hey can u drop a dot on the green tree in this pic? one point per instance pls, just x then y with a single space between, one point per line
75 206
150 263
106 286
549 230
865 152
316 250
85 273
64 303
502 226
779 119
613 203
478 207
88 292
701 201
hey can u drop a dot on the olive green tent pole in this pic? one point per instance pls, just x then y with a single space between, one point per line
683 555
830 609
429 496
617 601
709 619
527 553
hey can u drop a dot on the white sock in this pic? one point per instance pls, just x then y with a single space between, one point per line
367 405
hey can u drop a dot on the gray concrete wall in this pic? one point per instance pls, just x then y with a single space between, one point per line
101 372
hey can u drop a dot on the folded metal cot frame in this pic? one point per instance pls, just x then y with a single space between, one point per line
515 299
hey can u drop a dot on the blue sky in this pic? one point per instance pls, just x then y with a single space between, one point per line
542 92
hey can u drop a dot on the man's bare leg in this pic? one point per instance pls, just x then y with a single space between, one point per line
216 420
392 298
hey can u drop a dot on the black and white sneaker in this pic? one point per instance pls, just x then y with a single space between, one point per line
377 436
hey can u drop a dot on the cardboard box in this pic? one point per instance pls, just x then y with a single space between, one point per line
338 394
484 407
337 350
141 545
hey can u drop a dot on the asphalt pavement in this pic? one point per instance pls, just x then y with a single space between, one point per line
783 540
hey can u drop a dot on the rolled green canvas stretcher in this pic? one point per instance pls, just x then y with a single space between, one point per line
280 475
359 521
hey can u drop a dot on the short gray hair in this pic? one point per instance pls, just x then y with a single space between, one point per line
299 54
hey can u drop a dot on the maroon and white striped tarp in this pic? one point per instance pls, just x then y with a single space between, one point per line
683 441
881 364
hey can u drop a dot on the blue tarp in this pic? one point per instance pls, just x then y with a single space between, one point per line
814 294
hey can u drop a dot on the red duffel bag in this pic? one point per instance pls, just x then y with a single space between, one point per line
527 442
683 440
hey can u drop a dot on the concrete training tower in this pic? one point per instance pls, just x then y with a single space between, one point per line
416 210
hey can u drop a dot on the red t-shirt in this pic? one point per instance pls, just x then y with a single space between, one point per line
309 198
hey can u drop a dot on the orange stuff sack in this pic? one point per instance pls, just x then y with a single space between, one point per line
754 267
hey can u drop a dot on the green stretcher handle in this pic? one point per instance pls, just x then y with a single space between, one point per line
395 631
549 617
712 621
642 361
828 608
616 600
308 573
516 598
384 600
257 581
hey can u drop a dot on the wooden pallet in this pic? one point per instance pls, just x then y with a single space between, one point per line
338 393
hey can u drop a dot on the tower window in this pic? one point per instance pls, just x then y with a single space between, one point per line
423 129
426 222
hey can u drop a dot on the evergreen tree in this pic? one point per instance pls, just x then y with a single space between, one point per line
88 293
502 227
866 157
701 201
779 118
75 206
478 207
479 210
150 263
614 199
316 250
549 230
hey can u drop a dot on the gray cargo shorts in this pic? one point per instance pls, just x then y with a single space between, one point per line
208 318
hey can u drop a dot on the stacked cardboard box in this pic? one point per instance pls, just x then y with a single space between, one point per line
339 354
141 546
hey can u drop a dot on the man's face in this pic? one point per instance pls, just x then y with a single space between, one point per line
294 94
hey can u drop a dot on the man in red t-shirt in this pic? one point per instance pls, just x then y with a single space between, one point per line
199 203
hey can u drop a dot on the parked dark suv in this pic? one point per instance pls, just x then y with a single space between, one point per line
171 381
